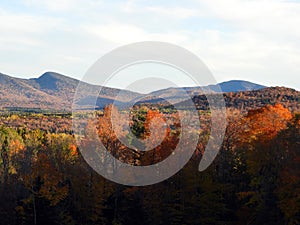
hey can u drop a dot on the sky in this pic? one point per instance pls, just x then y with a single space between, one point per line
254 40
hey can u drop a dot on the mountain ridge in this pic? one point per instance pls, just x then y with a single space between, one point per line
53 90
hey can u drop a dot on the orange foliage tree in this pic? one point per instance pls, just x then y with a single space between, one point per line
263 156
288 187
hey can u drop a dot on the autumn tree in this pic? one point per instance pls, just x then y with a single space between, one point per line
10 146
263 157
288 188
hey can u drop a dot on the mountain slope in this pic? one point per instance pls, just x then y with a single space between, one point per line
52 91
175 94
246 100
56 91
17 92
239 85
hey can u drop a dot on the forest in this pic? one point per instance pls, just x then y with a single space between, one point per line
255 178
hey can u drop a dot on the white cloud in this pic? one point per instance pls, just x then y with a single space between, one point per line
177 12
19 31
124 33
25 23
268 17
128 7
254 39
53 5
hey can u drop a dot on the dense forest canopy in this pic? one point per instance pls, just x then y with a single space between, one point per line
254 179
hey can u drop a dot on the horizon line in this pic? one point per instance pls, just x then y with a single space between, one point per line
170 87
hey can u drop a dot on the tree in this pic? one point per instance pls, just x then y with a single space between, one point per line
263 158
288 187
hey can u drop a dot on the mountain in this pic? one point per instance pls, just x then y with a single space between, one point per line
175 94
56 91
19 93
237 85
53 91
246 100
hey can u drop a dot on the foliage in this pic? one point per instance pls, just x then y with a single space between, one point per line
254 180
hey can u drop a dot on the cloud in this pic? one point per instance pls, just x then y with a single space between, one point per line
176 13
125 33
25 23
21 30
267 17
255 40
53 5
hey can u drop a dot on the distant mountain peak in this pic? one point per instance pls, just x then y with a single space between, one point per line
50 81
49 73
239 85
53 75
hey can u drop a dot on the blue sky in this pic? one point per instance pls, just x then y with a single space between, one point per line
252 40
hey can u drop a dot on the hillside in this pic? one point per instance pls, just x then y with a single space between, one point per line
18 92
51 91
175 95
246 100
55 91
